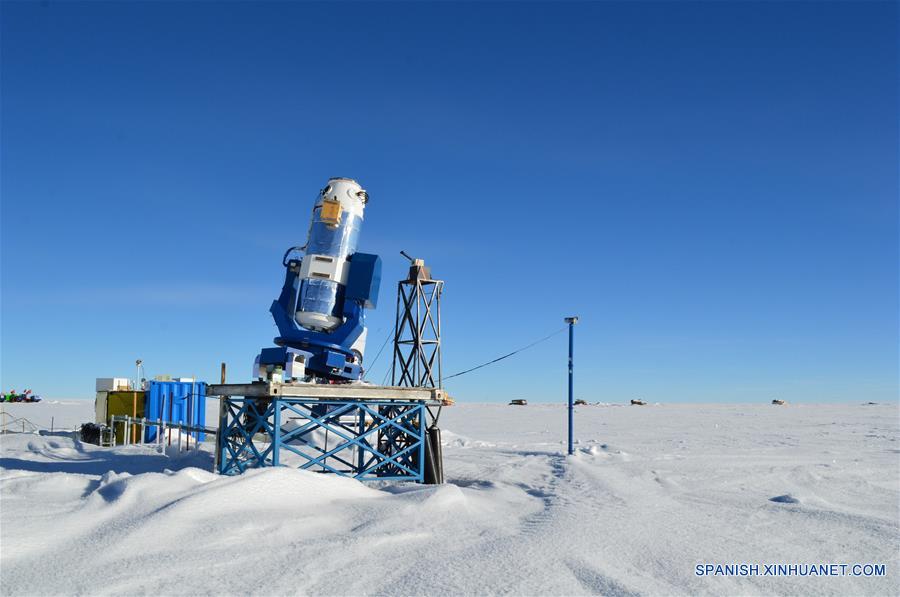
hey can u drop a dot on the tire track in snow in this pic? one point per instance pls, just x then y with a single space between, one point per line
544 540
548 494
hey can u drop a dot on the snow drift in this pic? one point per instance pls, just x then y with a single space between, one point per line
650 494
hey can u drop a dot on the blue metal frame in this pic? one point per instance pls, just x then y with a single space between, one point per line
377 440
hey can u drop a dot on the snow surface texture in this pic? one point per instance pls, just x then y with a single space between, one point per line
651 492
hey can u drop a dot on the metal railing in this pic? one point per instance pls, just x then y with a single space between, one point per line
130 436
9 423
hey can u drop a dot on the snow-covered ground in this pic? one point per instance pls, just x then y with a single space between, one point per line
651 493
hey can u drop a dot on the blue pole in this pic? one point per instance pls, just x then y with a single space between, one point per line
571 321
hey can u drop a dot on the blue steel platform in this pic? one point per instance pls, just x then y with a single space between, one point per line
371 438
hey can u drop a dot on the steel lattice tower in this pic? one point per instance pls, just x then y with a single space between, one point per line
417 331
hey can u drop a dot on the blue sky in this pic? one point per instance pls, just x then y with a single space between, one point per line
712 187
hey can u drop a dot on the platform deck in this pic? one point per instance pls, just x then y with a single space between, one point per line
430 396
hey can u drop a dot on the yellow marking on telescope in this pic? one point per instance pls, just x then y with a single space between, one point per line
330 212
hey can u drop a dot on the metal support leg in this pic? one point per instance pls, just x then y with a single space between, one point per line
276 433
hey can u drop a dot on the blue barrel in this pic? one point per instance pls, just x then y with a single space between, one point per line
176 402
